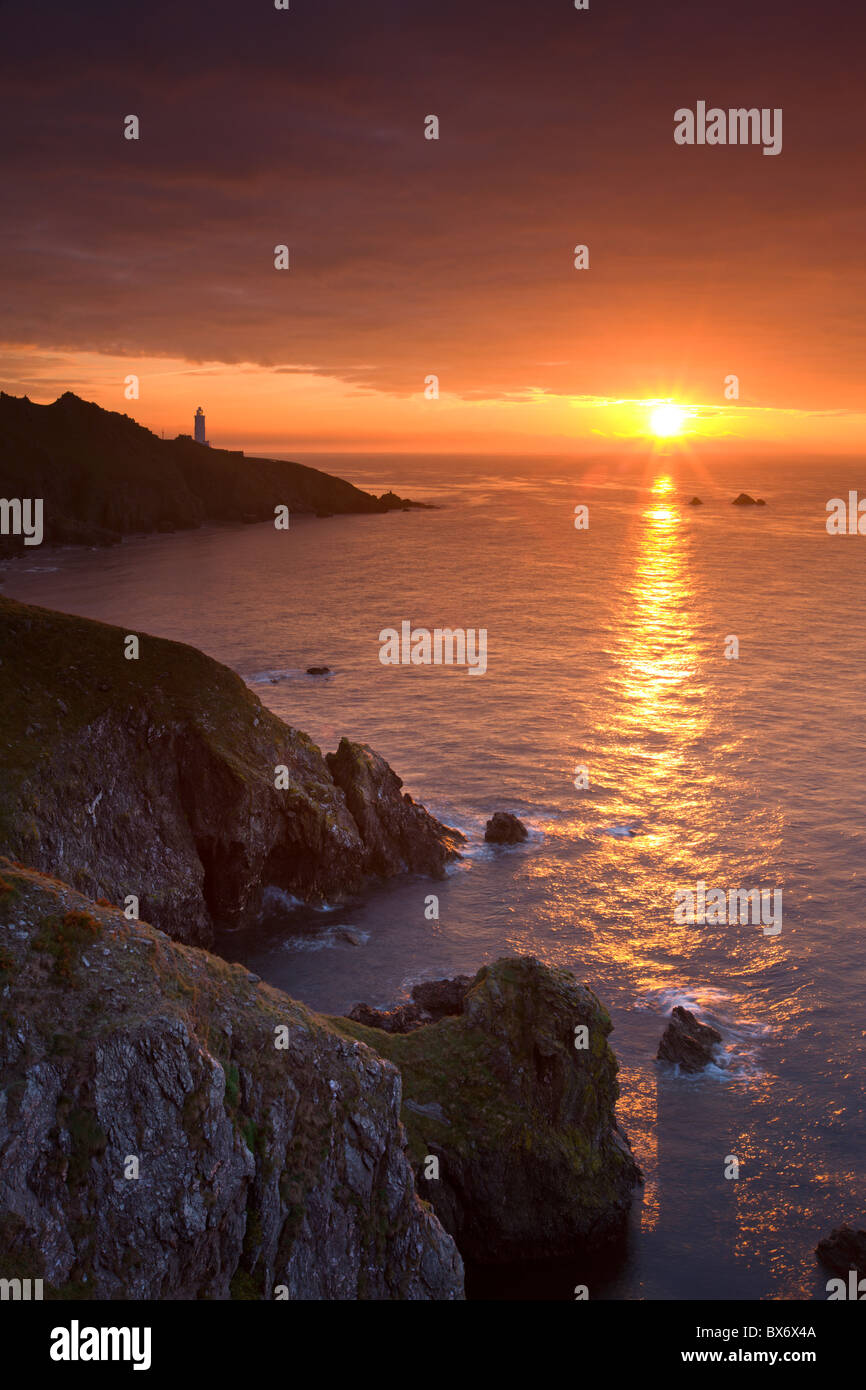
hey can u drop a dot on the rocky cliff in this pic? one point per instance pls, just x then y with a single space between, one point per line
102 476
172 1128
164 777
514 1095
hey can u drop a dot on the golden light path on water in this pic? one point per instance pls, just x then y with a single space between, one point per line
670 733
663 719
657 661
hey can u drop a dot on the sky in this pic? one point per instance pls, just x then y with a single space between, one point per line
413 258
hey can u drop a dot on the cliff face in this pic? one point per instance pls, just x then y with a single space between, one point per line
156 1143
159 777
102 476
532 1164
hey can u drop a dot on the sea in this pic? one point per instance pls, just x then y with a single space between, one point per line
674 695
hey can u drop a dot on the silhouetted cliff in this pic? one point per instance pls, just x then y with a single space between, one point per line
102 476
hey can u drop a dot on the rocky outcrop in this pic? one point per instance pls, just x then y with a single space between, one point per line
744 500
505 829
696 502
165 778
688 1042
102 476
399 836
172 1128
431 1000
844 1249
515 1098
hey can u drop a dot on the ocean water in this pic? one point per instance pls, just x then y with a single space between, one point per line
606 650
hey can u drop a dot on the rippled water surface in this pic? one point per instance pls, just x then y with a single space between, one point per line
605 651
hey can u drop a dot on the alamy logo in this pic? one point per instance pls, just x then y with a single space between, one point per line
737 126
847 521
443 646
22 516
76 1343
739 906
855 1290
24 1289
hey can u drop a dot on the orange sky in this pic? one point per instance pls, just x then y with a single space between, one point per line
257 409
453 258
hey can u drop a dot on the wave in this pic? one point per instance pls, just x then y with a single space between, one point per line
279 675
738 1056
281 900
328 940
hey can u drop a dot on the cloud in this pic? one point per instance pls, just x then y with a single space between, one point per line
452 257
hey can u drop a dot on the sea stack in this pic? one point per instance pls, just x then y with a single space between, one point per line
688 1042
513 1091
505 829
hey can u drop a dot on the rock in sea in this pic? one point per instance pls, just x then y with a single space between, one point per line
842 1250
688 1042
505 829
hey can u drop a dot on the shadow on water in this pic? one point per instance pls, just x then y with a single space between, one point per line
551 1281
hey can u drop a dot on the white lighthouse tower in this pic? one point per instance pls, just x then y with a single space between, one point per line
199 428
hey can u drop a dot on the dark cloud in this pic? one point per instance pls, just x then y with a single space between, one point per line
410 256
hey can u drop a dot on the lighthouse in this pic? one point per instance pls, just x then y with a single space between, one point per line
199 428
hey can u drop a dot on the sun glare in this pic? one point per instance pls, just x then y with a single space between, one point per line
667 420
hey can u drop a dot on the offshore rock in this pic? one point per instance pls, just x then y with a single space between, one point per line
165 778
171 1128
842 1250
505 829
532 1164
744 500
688 1042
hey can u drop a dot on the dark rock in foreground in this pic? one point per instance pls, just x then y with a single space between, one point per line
532 1164
505 829
744 500
688 1042
432 1000
842 1250
165 777
401 1019
318 670
270 1146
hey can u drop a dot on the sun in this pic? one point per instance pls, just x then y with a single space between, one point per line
667 420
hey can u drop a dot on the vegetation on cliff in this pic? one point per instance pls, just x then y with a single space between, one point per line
515 1096
170 1127
158 777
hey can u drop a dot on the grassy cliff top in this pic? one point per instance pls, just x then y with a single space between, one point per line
59 673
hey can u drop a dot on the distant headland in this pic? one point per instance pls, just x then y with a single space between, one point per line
102 476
